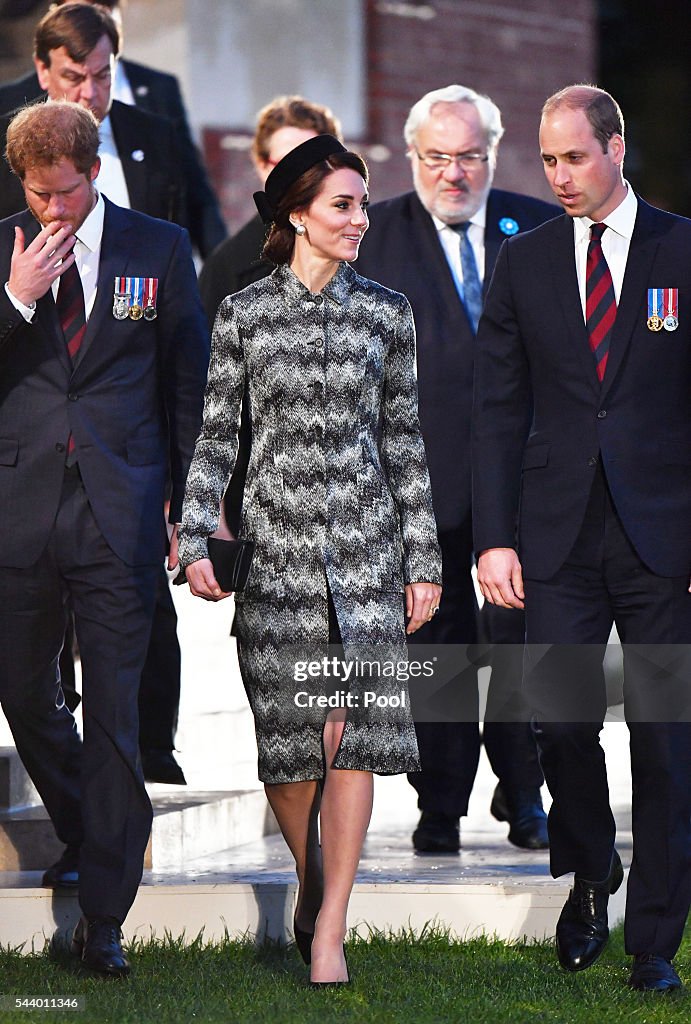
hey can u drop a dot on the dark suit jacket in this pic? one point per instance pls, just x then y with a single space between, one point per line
148 148
403 252
542 418
156 93
132 402
233 265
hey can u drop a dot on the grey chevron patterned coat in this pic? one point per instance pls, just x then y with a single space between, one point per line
337 498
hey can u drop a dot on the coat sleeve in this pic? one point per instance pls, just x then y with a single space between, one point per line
403 453
216 449
502 414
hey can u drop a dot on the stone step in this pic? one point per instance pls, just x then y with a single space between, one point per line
186 826
16 788
489 889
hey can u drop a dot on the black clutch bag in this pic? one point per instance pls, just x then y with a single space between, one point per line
231 560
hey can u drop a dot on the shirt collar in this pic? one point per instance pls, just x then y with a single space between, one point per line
105 129
91 231
621 220
479 218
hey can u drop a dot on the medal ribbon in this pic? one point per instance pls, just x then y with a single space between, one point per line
671 306
654 301
150 291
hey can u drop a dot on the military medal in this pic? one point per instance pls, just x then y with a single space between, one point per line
671 309
136 312
150 294
654 307
121 299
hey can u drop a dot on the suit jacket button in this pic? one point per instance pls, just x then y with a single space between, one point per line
601 414
592 461
73 396
60 448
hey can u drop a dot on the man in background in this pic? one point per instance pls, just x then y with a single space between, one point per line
157 93
437 245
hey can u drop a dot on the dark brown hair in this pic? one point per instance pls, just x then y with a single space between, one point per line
291 112
601 109
278 247
43 134
77 27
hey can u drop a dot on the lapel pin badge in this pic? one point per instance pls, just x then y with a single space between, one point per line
137 155
509 226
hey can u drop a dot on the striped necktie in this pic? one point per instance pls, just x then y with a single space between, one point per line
72 316
472 285
600 301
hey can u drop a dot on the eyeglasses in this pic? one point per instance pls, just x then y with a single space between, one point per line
440 161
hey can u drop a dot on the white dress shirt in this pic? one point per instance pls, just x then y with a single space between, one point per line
452 250
111 179
87 255
122 90
615 242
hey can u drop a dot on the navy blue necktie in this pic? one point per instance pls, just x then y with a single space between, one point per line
472 285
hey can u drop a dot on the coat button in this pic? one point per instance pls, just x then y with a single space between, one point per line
73 396
318 299
592 461
601 414
60 448
319 343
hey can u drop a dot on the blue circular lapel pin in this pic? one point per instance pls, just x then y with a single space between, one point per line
508 226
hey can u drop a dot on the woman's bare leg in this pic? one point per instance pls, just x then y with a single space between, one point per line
346 808
296 806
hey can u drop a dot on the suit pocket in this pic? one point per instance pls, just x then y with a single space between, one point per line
9 451
536 457
142 451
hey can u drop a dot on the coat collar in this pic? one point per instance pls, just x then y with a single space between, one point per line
338 289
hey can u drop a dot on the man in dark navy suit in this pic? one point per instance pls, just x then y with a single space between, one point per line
75 52
583 436
103 354
438 245
153 92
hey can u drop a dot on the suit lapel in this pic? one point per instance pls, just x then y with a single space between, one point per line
493 242
563 262
634 292
113 263
126 143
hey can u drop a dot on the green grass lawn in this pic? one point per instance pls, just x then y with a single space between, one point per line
399 978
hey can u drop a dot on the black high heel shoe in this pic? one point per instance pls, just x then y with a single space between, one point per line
303 941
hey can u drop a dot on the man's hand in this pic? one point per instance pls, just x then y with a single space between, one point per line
421 604
500 577
203 583
34 268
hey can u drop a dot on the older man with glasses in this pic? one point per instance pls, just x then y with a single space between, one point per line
438 245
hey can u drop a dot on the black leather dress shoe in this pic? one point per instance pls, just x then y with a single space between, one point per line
437 833
653 973
97 941
582 929
525 814
161 766
64 874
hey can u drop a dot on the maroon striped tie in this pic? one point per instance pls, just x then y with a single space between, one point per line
600 301
70 307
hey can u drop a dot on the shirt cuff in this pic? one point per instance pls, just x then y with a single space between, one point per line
26 311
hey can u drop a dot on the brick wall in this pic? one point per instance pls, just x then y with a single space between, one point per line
517 53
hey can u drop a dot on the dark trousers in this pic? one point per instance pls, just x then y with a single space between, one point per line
449 751
93 791
159 692
604 582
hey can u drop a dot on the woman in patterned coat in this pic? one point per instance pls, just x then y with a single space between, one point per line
337 500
